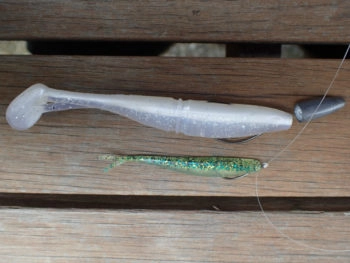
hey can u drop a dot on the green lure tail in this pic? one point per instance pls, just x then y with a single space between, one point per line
225 167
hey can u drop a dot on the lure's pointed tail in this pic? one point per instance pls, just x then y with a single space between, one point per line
116 160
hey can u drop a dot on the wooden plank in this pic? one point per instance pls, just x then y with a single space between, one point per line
194 20
42 235
59 154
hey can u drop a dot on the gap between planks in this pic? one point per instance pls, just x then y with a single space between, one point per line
181 203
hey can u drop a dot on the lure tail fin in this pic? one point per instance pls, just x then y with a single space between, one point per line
116 160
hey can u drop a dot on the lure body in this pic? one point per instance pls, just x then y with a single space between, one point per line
201 118
226 167
193 118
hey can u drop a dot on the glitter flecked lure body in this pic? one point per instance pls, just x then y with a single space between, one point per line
225 167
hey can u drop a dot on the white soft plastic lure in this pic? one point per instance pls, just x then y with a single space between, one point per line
189 117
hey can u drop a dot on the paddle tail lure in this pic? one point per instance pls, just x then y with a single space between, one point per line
225 167
189 117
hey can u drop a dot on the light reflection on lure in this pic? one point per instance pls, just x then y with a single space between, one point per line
225 167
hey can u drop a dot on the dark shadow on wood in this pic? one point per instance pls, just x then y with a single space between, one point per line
107 48
174 202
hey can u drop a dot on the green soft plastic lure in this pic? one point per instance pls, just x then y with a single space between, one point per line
225 167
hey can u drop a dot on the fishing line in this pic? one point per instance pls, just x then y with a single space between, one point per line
300 243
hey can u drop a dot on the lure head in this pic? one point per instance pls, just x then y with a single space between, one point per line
234 167
26 109
251 165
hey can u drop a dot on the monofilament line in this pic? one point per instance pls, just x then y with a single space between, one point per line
316 110
300 243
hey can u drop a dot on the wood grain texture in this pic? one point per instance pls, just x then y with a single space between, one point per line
209 21
59 154
57 205
47 235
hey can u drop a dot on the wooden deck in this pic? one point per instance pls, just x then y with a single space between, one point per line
57 204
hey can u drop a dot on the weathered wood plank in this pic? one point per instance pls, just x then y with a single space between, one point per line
42 235
59 154
194 20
